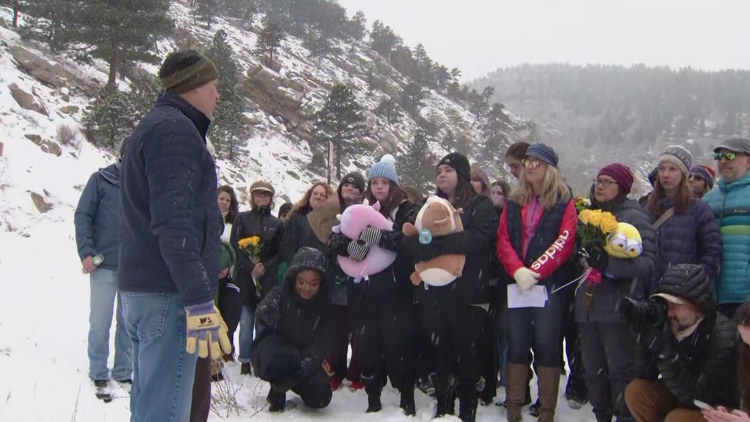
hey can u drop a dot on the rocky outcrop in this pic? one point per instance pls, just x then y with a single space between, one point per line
47 72
50 147
27 100
280 96
40 203
69 109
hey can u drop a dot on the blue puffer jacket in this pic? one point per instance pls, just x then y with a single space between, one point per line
97 217
170 225
731 206
691 237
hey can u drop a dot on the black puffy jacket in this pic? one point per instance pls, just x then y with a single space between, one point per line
284 318
702 366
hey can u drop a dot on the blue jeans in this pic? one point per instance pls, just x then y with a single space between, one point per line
538 329
164 371
102 300
247 329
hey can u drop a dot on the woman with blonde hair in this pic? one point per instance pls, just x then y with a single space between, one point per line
535 241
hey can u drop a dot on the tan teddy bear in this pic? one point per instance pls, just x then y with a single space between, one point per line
436 218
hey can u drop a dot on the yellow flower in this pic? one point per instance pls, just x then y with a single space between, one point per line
608 223
596 217
584 216
254 240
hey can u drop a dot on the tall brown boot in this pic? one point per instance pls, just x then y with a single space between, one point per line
515 389
549 385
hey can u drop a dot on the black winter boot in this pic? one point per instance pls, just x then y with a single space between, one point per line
407 401
276 400
467 402
373 388
445 392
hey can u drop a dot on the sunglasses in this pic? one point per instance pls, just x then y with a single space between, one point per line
728 155
531 163
696 177
605 183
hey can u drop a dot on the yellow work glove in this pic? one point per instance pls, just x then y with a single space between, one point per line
207 331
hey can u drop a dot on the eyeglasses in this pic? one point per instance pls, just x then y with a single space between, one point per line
531 163
605 183
728 155
696 177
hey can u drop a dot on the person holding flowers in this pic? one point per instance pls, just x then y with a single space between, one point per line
606 340
256 235
686 230
535 241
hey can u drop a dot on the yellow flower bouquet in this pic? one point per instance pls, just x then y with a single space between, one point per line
252 246
595 226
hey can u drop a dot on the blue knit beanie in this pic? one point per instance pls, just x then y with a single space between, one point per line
384 168
544 153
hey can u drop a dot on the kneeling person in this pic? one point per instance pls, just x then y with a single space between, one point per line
291 328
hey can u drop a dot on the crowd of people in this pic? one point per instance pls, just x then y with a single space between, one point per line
660 335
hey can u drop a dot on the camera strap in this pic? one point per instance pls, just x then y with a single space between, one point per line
664 217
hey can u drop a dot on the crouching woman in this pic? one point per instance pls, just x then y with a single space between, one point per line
291 327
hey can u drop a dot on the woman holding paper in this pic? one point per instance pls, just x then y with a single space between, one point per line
535 241
606 339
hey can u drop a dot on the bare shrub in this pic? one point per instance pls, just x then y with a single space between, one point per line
67 135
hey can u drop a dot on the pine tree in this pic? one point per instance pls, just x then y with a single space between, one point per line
389 109
206 10
494 130
113 115
416 167
243 10
51 22
269 38
120 31
356 26
340 124
383 39
320 46
228 123
413 96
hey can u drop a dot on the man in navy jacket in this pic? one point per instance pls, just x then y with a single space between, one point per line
169 250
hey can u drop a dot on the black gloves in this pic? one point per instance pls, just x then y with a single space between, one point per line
598 259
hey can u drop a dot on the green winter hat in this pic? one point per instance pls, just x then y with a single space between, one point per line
186 70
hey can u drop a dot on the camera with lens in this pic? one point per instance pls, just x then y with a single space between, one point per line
650 311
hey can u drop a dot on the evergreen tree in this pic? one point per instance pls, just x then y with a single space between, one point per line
50 21
113 115
243 10
320 46
494 130
340 124
15 6
120 31
383 39
356 26
228 123
389 110
269 38
413 96
416 167
206 10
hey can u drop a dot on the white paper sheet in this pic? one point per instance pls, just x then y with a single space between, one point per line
535 297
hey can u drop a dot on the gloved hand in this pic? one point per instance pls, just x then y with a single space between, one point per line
206 331
525 278
598 259
370 235
358 250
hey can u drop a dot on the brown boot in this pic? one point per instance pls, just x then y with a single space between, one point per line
515 389
549 385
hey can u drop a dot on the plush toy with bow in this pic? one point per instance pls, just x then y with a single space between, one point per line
436 218
355 219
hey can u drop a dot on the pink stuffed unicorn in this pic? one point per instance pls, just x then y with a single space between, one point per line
355 219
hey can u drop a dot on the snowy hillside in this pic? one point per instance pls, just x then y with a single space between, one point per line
43 294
